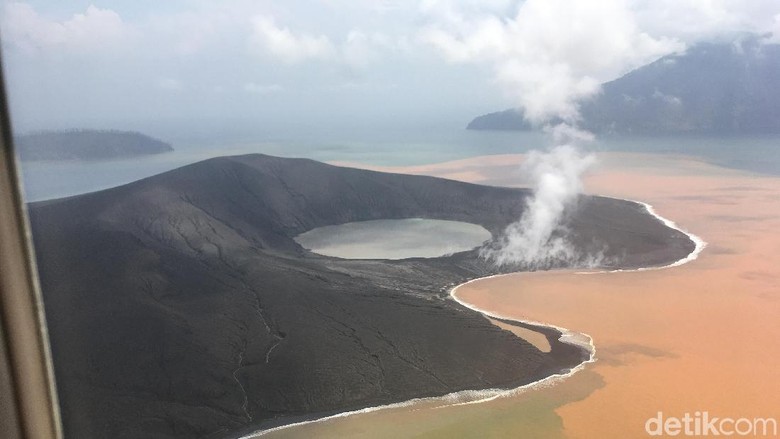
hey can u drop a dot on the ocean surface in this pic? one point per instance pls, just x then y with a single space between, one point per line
386 147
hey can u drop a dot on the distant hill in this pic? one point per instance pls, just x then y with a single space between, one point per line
727 88
87 145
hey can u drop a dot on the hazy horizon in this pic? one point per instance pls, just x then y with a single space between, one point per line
309 66
285 258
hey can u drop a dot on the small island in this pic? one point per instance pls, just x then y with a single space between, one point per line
87 145
188 293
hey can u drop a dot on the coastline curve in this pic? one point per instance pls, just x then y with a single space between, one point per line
577 339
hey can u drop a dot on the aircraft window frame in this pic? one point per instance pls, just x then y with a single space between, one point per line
28 399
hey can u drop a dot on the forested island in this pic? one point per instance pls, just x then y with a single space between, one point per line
87 145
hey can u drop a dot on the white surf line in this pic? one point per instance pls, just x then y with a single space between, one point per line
466 397
568 336
699 243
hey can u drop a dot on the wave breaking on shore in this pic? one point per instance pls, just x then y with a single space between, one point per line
698 242
577 339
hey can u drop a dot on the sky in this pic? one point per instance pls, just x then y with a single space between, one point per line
297 64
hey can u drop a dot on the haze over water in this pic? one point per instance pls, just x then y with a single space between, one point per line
381 147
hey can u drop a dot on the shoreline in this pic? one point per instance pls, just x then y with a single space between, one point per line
698 242
580 340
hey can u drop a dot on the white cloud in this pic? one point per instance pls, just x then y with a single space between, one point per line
94 29
548 54
360 49
262 89
697 20
775 38
287 46
170 84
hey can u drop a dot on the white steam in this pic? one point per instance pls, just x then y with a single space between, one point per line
549 55
539 238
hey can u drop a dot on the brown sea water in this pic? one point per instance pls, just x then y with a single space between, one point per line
698 337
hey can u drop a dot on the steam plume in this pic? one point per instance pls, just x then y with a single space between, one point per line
549 55
539 238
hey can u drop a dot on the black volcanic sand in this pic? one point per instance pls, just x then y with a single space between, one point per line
180 306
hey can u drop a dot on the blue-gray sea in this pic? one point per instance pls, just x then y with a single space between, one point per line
47 180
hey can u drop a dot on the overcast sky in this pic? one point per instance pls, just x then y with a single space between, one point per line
124 63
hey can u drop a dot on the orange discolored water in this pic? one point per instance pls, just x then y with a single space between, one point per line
698 337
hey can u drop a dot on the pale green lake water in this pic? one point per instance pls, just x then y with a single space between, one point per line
394 239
